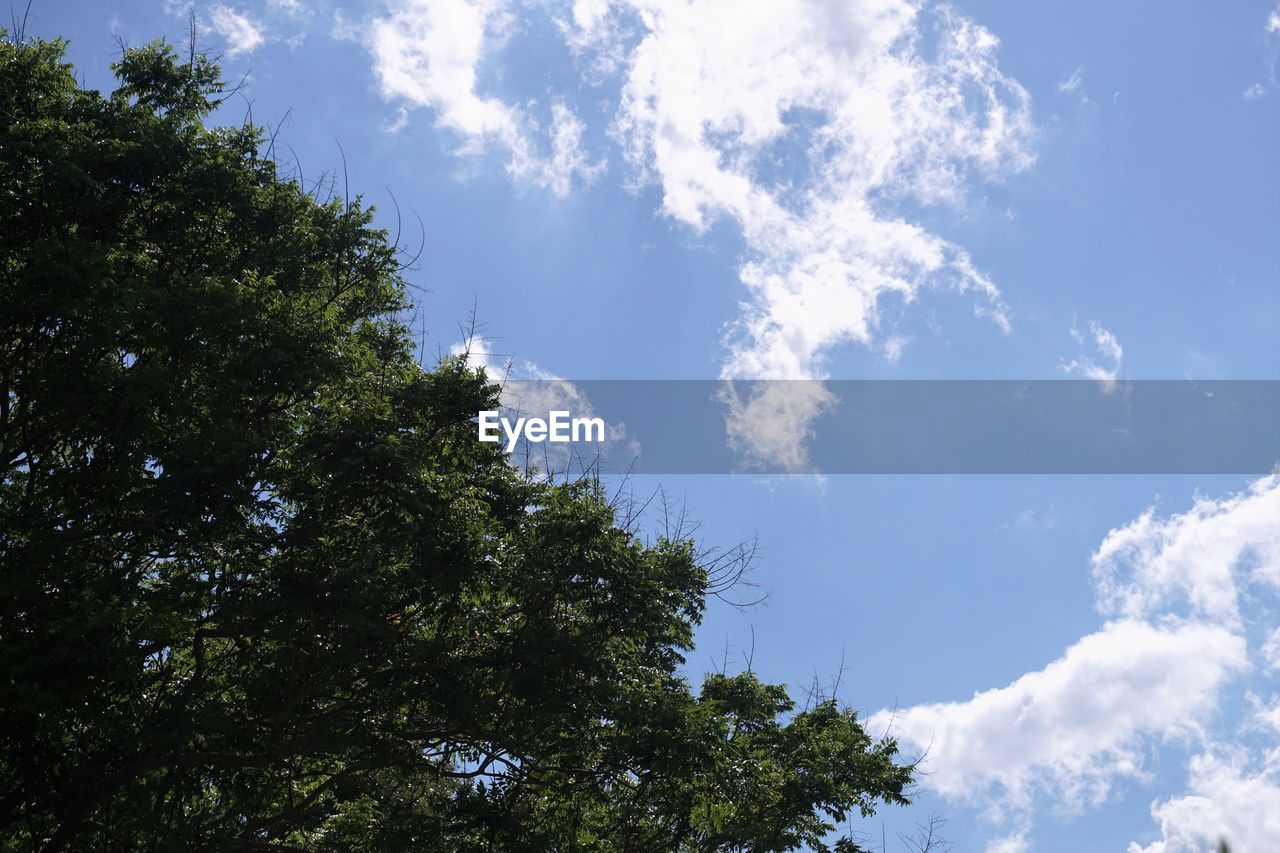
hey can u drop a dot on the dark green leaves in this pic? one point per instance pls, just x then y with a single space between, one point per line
261 585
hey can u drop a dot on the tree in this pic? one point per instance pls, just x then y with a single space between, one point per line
261 586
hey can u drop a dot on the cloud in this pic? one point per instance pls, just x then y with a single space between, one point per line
567 159
805 124
1227 799
428 53
1073 82
1107 349
1272 30
245 33
769 424
240 32
1174 589
1271 651
1074 727
1194 562
1016 843
1033 520
809 126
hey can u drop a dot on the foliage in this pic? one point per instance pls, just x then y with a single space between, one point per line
262 588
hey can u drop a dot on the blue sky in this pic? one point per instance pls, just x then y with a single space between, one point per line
880 189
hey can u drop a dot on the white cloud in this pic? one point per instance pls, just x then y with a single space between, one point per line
1272 29
893 347
1175 589
809 126
1227 800
1195 560
567 159
1016 843
1107 348
479 353
428 53
1271 651
240 32
806 124
1074 727
1266 717
1073 81
802 123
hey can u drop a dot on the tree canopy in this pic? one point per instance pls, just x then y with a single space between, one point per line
261 586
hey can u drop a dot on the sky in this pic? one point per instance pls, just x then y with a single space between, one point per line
625 189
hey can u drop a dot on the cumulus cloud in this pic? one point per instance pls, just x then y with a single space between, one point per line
1174 591
1193 562
1227 799
241 33
1108 352
1074 727
428 53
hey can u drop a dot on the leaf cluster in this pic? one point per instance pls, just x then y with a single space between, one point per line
261 588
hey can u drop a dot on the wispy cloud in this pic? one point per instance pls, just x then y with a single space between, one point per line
717 94
1074 84
243 31
810 127
1254 91
428 53
1105 362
